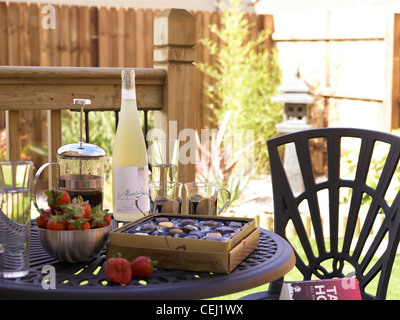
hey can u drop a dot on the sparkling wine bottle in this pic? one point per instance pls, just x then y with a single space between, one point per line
129 158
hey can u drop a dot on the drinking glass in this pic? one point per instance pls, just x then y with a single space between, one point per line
201 198
165 197
15 217
163 155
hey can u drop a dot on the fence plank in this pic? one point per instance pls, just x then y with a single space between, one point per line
391 104
113 37
13 35
34 27
94 38
108 48
148 41
23 34
130 44
102 36
139 38
3 34
74 36
84 37
121 38
54 41
44 44
270 26
65 44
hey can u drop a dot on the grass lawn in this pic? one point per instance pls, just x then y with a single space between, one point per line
294 275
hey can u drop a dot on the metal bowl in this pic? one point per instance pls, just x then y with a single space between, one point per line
74 245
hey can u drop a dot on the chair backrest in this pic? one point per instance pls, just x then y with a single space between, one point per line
365 194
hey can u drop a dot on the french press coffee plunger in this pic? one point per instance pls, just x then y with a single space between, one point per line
80 168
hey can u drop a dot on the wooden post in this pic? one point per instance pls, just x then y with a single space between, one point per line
174 41
54 133
13 135
54 136
391 106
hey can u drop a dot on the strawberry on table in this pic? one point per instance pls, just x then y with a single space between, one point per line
118 270
142 267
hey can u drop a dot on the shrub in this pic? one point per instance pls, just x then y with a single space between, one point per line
245 77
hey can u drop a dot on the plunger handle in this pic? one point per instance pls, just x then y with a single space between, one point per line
82 103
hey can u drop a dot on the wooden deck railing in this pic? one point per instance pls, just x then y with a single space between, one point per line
167 88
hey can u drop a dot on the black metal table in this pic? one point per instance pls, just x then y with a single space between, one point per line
271 260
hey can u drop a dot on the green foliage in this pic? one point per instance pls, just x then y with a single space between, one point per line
348 167
101 129
246 75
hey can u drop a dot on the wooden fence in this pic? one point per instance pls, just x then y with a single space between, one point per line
351 58
94 37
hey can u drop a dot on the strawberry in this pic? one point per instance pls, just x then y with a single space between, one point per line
57 222
55 198
78 224
85 226
44 217
107 218
73 211
84 204
99 218
118 270
142 267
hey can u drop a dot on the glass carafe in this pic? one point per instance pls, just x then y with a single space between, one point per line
81 168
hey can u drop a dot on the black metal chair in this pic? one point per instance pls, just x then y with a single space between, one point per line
371 191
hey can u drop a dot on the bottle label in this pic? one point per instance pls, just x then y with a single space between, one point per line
129 184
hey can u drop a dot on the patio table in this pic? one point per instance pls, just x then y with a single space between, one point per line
272 259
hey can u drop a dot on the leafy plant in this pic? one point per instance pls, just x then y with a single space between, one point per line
245 77
227 164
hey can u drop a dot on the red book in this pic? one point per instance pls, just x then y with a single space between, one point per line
327 289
